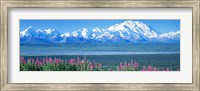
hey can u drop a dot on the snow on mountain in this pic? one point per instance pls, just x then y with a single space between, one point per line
84 33
25 32
133 27
48 31
128 31
46 35
171 35
67 34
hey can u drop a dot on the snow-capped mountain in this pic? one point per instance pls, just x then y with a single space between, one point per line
128 31
38 36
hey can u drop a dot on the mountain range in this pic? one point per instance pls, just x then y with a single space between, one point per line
126 32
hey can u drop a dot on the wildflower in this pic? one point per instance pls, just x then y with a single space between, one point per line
135 65
43 61
24 62
71 61
120 67
22 58
128 65
125 64
99 65
33 61
91 66
57 62
50 60
150 68
38 62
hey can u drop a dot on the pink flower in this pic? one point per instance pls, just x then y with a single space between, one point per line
128 65
22 58
38 62
150 68
135 65
125 64
91 66
120 67
33 61
24 62
99 65
71 61
43 61
50 60
57 62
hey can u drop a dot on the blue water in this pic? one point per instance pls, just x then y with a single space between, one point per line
110 55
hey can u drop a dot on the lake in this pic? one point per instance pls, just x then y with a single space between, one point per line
110 55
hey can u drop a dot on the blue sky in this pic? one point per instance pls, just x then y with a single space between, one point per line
161 26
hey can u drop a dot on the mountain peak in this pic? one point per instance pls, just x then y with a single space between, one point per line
50 30
127 31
